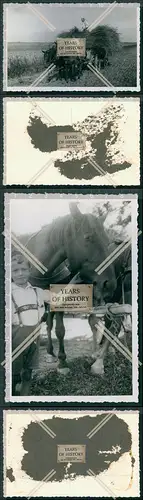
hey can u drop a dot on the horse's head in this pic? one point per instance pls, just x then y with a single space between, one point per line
49 54
87 251
46 56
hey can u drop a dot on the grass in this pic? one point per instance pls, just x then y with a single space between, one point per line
18 66
121 73
123 69
117 380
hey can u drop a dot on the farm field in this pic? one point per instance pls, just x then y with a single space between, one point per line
26 63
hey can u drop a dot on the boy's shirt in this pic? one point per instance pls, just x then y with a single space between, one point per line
28 296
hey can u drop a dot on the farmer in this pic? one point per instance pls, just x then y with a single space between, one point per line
28 311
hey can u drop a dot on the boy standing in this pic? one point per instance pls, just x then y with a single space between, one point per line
28 311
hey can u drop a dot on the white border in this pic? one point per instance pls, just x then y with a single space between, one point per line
96 399
84 99
70 89
72 414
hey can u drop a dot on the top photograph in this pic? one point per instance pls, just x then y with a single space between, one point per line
64 47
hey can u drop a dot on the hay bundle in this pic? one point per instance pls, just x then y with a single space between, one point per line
101 42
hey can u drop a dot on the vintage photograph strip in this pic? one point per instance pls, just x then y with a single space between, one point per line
78 47
72 141
64 454
71 297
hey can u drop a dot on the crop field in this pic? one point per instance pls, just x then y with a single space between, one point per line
24 60
26 63
116 381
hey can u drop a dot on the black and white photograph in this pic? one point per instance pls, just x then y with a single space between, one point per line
72 141
72 46
60 454
71 297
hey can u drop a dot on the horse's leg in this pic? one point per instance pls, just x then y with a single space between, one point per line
16 384
26 382
60 333
98 366
114 328
50 352
126 332
96 61
93 323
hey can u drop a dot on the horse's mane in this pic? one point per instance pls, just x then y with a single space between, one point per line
68 232
64 229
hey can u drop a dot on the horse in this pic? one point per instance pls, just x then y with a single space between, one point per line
50 54
69 68
81 240
100 57
122 324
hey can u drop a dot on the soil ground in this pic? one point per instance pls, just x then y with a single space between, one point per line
116 381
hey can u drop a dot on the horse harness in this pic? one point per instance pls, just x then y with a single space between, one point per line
124 271
26 307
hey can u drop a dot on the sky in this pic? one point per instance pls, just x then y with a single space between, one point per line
29 215
23 25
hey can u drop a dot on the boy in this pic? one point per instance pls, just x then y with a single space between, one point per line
28 311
